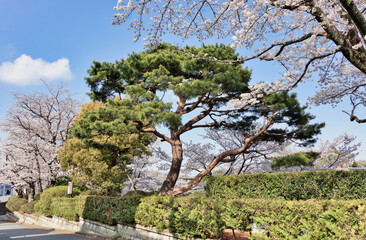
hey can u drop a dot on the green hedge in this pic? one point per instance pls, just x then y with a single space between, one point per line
191 216
44 204
342 185
108 210
15 204
198 215
68 208
206 218
111 210
28 207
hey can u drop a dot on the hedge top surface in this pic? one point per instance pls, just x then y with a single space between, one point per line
326 184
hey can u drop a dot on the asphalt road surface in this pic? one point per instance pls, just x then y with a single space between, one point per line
10 230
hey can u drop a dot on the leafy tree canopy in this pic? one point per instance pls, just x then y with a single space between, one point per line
291 121
296 159
145 77
98 153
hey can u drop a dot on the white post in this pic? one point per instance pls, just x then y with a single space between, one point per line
69 189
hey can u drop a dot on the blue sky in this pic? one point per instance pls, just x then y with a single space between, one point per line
59 40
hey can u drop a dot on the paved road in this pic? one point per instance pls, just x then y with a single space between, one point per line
9 230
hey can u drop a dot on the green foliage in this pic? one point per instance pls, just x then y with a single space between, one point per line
136 193
290 118
192 216
64 181
155 211
290 186
165 67
143 77
15 204
297 159
196 216
100 150
111 210
90 193
202 86
29 207
44 204
325 219
68 208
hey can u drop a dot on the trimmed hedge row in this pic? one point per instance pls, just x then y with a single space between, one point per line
206 218
191 216
342 185
68 208
111 210
108 210
44 204
200 216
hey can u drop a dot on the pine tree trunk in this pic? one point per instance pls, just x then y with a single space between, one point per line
172 177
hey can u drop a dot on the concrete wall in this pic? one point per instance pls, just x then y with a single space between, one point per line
135 232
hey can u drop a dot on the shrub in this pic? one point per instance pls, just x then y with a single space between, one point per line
28 207
44 204
111 210
90 193
204 217
155 211
199 216
191 216
15 203
37 197
342 185
68 208
324 219
135 193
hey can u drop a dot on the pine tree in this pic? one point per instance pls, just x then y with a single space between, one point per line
203 80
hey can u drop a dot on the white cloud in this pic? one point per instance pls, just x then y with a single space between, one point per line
25 70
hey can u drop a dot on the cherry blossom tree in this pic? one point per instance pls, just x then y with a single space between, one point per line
36 126
340 152
326 37
24 167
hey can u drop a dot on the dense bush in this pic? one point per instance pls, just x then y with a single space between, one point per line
191 216
15 204
44 204
313 219
342 185
204 217
68 208
90 193
108 210
111 210
28 207
198 215
135 193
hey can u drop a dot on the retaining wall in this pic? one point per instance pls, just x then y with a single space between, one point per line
134 232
